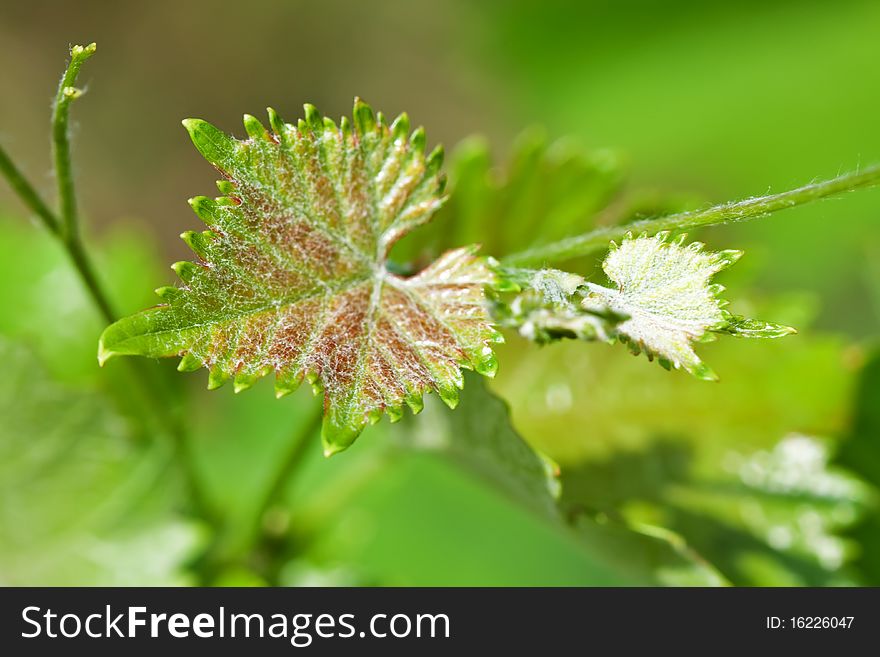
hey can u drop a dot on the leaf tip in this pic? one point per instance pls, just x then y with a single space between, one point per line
240 385
364 119
276 122
191 125
313 117
487 363
337 438
253 127
188 363
400 127
418 140
215 146
449 395
104 354
703 372
415 402
217 377
286 383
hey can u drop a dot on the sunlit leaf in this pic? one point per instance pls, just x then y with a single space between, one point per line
663 288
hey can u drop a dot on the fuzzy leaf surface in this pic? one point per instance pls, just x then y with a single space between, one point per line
292 276
663 287
547 307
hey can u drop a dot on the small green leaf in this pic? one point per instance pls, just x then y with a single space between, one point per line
663 287
754 328
293 277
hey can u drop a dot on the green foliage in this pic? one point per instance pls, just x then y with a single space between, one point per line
82 503
773 515
696 459
294 277
45 292
479 438
662 304
650 479
751 208
548 306
859 453
544 191
293 280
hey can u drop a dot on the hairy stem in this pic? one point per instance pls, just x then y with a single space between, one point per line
68 225
67 93
759 206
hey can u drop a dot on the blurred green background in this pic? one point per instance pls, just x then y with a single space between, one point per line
768 476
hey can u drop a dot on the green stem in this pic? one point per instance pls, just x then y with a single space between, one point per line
68 226
86 271
67 93
299 448
240 540
142 380
27 194
760 206
73 244
66 229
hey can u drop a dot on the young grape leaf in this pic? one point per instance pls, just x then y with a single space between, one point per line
293 275
663 288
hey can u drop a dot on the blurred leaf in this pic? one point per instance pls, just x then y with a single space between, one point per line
568 401
304 574
860 452
544 191
293 278
42 287
478 437
79 502
674 453
785 505
783 508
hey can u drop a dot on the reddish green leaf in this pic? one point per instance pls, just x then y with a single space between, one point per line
292 275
